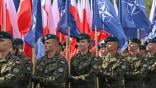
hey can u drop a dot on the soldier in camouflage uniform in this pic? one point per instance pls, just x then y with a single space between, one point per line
12 72
52 69
18 51
84 65
113 66
136 70
151 59
102 50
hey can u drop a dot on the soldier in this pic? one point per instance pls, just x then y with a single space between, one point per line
151 76
142 51
84 65
102 50
51 69
112 66
134 76
12 72
18 51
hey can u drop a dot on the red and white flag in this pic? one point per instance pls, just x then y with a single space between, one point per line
25 16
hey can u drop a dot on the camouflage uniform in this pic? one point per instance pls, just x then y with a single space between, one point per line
135 73
12 72
27 65
151 76
83 69
52 72
113 68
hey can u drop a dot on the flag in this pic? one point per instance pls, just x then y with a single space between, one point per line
25 16
1 13
12 15
36 29
133 16
67 19
16 3
105 18
152 16
153 21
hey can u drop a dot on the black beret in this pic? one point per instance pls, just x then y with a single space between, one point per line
151 40
49 36
111 39
83 36
102 45
17 41
134 40
5 35
142 47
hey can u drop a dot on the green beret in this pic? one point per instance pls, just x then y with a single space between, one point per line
102 45
83 36
17 41
134 40
5 35
112 39
151 40
142 47
49 36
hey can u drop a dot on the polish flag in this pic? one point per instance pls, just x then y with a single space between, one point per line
25 16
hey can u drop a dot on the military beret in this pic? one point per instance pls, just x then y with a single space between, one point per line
134 40
102 45
49 36
83 36
112 39
5 35
151 40
17 41
142 47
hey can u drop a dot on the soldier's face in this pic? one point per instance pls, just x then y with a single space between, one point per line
83 44
50 45
133 46
142 52
111 46
5 44
103 51
151 47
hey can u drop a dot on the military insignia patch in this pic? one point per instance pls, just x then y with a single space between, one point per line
15 70
95 66
123 67
62 62
60 69
145 66
17 62
28 68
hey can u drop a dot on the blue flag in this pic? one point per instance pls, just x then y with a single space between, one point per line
36 30
16 3
152 34
133 16
67 20
105 18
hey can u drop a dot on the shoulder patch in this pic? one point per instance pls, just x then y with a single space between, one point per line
60 69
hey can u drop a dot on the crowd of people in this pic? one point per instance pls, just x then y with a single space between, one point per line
135 67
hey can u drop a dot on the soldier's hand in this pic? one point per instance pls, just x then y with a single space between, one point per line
36 79
103 75
70 78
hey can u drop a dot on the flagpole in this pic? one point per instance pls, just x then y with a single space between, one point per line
34 63
96 47
138 33
67 53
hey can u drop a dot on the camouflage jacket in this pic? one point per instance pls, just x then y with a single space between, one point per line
12 72
114 66
137 68
54 71
84 69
